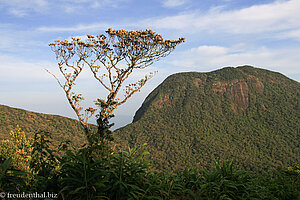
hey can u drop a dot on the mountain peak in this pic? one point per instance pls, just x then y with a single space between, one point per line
234 112
228 81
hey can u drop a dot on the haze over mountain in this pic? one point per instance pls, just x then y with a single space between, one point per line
247 114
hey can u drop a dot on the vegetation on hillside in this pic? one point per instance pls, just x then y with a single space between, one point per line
247 114
62 128
97 172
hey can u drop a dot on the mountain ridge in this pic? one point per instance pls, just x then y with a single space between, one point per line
62 128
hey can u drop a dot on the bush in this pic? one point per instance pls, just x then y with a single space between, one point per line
83 176
18 147
284 184
227 182
127 174
11 180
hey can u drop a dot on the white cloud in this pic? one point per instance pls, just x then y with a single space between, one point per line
293 34
209 50
212 57
276 16
92 2
29 3
20 8
279 18
18 12
15 40
77 28
75 6
13 69
173 3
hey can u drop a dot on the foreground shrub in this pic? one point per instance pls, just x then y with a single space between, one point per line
11 180
17 147
127 174
284 184
83 176
227 182
44 164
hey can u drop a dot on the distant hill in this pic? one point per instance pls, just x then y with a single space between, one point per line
247 114
62 128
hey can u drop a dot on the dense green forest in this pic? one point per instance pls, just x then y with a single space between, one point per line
30 169
62 128
247 114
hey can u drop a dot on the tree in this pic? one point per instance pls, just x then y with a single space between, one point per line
111 57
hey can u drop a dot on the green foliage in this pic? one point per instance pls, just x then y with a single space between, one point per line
19 138
104 132
284 184
247 114
181 184
226 182
44 164
127 171
11 180
98 172
62 128
82 175
18 147
7 150
43 158
118 175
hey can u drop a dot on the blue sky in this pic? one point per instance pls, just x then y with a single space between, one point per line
218 33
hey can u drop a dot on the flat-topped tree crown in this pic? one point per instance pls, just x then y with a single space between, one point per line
111 57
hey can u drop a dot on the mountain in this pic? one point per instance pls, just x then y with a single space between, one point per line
247 114
62 128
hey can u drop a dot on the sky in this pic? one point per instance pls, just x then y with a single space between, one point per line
219 33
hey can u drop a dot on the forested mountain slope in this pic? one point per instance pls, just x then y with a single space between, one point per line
247 114
62 128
